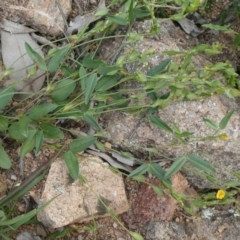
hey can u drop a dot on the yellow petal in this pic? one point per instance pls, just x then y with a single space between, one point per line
224 137
220 194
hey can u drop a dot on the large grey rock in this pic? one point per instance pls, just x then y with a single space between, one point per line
223 155
99 190
14 37
125 131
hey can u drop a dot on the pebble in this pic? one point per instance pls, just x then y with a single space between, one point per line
13 177
40 230
27 236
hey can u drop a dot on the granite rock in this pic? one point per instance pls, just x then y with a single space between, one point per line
97 190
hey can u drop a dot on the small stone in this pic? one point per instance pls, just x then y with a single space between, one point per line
108 145
115 225
13 177
27 236
177 220
40 230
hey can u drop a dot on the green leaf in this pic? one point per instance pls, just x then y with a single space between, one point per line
152 94
120 20
38 140
23 125
200 163
175 167
157 190
187 60
172 52
210 123
185 134
141 13
3 123
36 57
101 12
160 124
139 171
28 143
136 236
225 28
62 90
231 183
158 171
131 12
6 95
82 143
22 218
106 82
236 43
91 63
5 161
226 119
91 83
160 68
90 120
32 71
83 74
51 131
4 237
58 57
67 72
2 215
72 164
40 110
15 133
100 146
139 178
108 70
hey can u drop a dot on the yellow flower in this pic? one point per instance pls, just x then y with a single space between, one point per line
220 194
224 137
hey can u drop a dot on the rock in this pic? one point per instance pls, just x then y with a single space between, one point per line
45 15
223 155
165 231
222 226
83 199
27 236
148 205
14 37
41 231
125 131
13 177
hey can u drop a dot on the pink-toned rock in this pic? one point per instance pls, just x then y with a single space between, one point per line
97 191
45 15
148 205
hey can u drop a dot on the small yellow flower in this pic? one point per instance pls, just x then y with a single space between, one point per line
224 137
220 194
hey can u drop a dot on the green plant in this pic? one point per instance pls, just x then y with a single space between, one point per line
82 89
